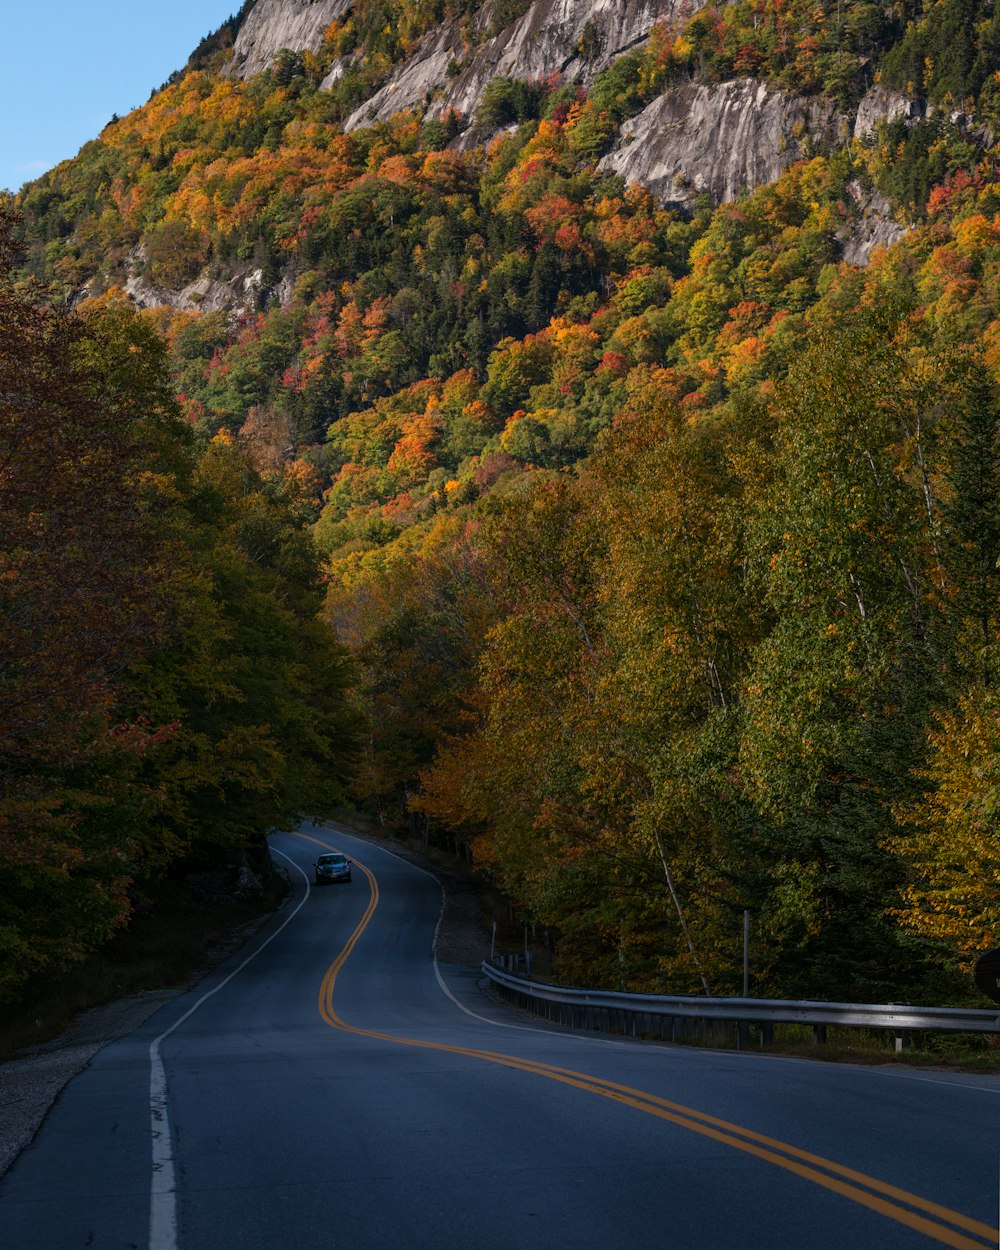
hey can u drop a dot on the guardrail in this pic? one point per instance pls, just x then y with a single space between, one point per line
676 1017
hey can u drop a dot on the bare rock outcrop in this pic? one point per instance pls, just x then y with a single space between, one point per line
454 62
573 38
872 225
881 105
275 24
243 292
721 140
715 139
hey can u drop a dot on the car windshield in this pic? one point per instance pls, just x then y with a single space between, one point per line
335 861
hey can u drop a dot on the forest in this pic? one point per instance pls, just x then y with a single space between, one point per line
167 691
649 555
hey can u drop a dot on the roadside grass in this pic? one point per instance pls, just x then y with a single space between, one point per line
172 938
962 1052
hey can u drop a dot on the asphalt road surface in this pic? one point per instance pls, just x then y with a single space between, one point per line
332 1088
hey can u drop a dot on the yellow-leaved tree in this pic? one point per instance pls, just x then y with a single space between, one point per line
953 841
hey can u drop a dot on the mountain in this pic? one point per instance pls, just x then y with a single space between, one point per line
724 139
667 98
683 100
634 366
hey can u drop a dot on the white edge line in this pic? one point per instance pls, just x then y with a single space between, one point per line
934 1080
163 1188
602 1041
499 1024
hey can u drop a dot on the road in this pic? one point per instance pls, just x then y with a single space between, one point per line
332 1088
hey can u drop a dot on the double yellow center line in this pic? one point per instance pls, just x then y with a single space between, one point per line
941 1224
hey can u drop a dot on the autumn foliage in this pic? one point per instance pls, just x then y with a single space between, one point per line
664 543
159 619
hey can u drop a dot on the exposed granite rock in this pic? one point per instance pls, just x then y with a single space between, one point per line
880 105
737 136
873 226
414 82
716 139
722 139
244 292
275 24
543 42
474 137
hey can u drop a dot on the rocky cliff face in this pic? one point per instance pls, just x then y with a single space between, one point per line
244 292
275 24
872 225
733 137
721 139
880 106
546 40
542 42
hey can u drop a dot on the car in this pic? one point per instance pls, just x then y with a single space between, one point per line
332 868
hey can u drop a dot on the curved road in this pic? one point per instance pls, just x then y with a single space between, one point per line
333 1088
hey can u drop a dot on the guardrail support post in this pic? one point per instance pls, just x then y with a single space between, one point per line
819 1034
742 1034
767 1034
902 1042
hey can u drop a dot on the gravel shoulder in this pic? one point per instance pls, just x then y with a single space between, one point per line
31 1083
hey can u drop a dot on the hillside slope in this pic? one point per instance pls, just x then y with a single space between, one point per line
658 496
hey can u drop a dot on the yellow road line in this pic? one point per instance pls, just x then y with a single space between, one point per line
791 1158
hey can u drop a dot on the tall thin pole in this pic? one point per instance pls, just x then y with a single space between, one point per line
746 954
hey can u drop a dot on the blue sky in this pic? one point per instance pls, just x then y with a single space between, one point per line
71 64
